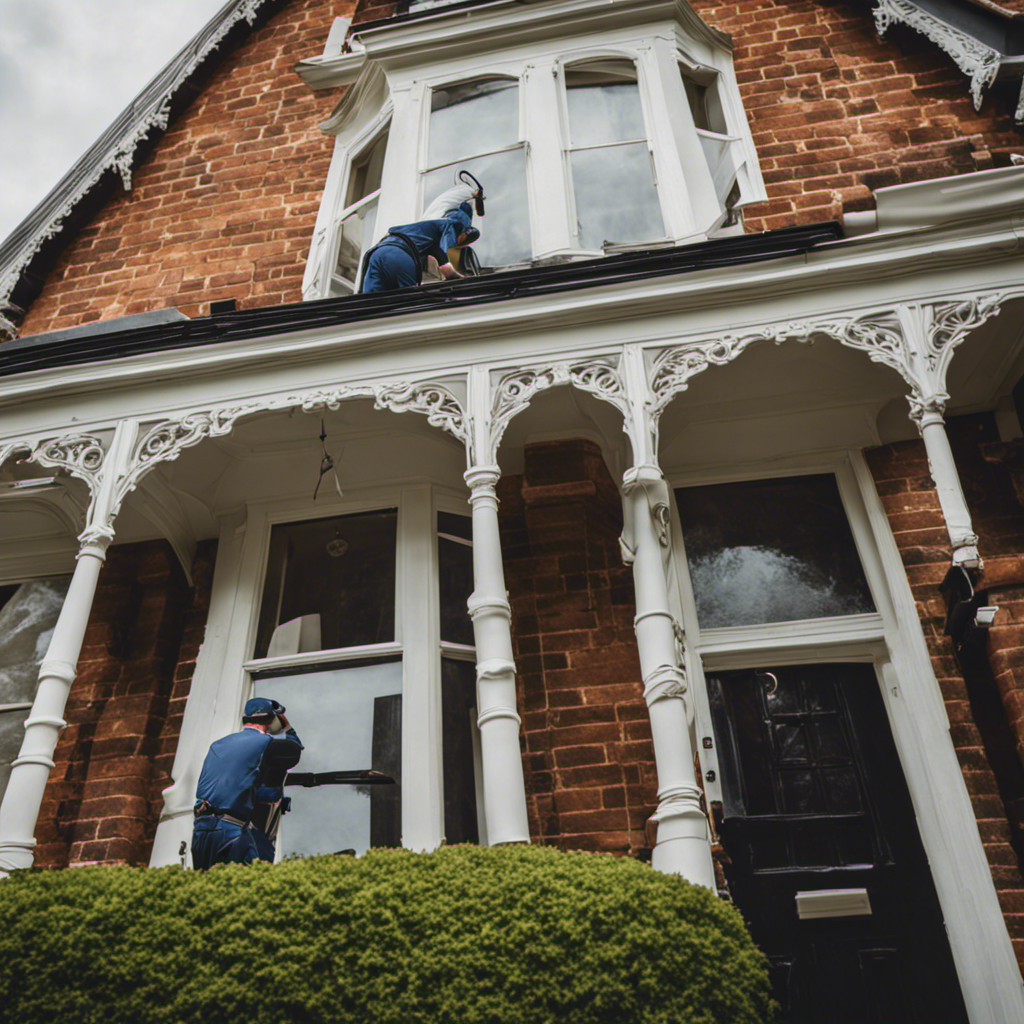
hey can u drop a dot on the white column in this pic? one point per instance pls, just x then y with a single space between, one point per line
683 842
947 484
499 722
30 771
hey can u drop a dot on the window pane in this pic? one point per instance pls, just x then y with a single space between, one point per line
367 170
505 228
476 117
356 235
26 625
12 732
616 200
457 526
458 717
455 570
348 718
340 569
604 107
771 551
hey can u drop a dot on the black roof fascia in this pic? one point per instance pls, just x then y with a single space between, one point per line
44 351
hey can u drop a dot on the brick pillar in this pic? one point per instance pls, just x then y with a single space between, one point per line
101 804
589 760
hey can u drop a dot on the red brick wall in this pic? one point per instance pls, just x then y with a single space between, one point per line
907 491
836 111
124 712
588 756
225 205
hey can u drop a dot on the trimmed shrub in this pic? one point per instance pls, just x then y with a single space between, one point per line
516 935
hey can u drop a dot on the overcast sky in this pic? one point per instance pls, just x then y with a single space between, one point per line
67 69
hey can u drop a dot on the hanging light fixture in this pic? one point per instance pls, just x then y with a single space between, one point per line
327 466
337 546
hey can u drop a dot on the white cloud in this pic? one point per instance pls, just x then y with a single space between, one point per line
67 69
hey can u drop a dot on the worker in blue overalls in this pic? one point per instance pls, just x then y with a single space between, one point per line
397 260
241 770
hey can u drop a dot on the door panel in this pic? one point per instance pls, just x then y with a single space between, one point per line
814 799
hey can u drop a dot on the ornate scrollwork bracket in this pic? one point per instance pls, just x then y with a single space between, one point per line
674 367
600 377
980 63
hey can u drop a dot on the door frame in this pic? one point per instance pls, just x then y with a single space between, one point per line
893 641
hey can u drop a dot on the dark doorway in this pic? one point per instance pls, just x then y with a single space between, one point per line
815 803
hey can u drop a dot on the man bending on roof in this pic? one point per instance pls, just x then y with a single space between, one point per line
397 260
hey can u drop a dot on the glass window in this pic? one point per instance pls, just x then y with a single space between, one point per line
360 213
720 148
609 156
461 750
765 551
475 126
455 566
349 717
330 584
28 614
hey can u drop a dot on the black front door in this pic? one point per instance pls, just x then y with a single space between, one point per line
814 802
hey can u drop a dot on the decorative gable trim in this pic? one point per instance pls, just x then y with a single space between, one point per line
147 116
980 62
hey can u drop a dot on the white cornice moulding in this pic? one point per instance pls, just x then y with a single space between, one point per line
446 33
330 72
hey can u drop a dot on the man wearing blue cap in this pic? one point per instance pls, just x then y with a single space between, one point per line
241 770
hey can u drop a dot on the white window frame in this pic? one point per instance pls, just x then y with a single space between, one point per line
223 677
657 42
894 642
568 149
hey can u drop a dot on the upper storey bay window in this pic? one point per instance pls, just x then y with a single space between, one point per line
621 128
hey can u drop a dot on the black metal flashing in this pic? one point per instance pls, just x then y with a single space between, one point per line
69 348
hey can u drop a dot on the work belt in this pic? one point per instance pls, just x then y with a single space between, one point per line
204 810
403 242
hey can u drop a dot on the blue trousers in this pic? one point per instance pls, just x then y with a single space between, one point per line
215 841
388 267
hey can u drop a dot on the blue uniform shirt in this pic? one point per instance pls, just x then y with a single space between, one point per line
238 766
436 237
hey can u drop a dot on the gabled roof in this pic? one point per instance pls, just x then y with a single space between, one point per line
27 255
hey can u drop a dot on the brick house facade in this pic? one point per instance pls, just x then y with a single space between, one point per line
855 135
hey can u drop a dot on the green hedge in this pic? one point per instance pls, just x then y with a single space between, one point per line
517 935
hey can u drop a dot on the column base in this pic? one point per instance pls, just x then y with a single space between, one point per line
16 855
683 846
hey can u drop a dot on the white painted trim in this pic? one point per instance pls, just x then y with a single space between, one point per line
989 976
219 690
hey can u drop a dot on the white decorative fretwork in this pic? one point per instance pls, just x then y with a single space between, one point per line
976 60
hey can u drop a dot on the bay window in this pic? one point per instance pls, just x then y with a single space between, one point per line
618 129
375 671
